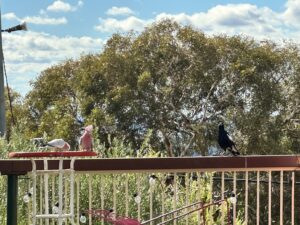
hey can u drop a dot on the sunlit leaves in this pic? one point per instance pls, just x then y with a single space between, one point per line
179 83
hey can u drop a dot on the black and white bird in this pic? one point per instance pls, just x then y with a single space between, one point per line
225 141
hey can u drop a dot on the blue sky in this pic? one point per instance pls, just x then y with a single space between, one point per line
63 29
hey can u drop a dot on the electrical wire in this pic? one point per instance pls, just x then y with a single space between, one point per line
9 95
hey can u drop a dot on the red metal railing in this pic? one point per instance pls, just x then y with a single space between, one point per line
238 173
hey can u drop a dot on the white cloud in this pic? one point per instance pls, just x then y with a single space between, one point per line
61 6
80 3
42 47
119 11
45 20
292 13
35 52
231 19
10 16
125 25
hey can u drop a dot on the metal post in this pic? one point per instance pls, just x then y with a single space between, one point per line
46 185
293 199
2 97
60 192
12 196
281 198
270 199
175 197
246 197
228 212
234 205
257 198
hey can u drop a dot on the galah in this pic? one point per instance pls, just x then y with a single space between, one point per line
59 144
86 140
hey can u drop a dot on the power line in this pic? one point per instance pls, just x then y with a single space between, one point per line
9 95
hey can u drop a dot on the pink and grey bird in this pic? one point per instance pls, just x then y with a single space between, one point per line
86 140
59 144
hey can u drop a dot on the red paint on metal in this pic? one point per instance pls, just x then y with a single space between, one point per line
241 163
51 154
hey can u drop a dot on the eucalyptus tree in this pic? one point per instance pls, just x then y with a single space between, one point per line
52 104
179 83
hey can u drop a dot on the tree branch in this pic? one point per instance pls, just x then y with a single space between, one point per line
167 144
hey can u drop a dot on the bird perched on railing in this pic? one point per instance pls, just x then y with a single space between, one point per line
86 140
38 142
225 141
59 144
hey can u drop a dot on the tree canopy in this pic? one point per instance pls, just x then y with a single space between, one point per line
178 83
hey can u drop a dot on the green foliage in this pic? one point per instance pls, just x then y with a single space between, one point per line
103 185
178 83
160 93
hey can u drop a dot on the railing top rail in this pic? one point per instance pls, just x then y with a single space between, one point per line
215 163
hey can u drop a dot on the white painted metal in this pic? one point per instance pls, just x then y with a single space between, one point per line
138 183
102 196
163 202
151 202
60 216
187 201
246 197
234 191
46 189
114 194
65 204
72 178
39 172
270 199
126 196
33 173
199 197
77 198
211 187
53 193
29 205
44 194
257 198
281 197
175 196
54 216
222 195
90 198
60 192
293 200
41 198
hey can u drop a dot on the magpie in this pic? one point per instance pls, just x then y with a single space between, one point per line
225 141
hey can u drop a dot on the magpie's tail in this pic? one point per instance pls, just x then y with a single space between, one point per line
234 151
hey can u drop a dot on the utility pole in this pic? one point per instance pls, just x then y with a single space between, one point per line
12 180
21 26
2 97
